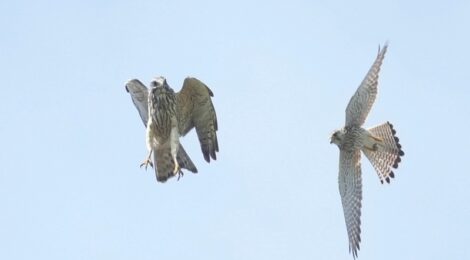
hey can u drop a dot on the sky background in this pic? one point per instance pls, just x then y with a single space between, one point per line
282 74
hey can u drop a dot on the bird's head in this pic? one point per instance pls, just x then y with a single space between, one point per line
159 82
337 137
160 85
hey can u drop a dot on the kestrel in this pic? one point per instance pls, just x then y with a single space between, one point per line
379 144
167 116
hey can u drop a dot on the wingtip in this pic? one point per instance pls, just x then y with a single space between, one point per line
382 50
134 82
209 154
207 157
127 83
354 252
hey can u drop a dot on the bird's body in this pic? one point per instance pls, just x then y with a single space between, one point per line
163 120
162 128
379 144
171 115
357 138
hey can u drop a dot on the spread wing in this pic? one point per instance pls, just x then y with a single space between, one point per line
350 189
139 95
195 109
361 102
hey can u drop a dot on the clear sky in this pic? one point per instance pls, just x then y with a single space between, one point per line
282 74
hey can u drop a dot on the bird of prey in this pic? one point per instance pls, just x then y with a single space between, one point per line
167 116
379 144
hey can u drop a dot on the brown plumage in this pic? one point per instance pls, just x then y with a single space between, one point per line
169 115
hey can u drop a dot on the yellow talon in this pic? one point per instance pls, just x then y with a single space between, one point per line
176 169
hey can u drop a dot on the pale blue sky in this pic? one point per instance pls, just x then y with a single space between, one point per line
282 74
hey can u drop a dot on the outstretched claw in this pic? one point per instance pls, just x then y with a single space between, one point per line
147 161
177 169
180 174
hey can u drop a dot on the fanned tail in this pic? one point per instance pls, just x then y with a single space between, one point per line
164 162
388 152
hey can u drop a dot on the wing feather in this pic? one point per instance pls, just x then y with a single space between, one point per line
195 109
350 189
361 102
139 95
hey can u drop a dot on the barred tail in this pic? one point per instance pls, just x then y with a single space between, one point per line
388 153
164 162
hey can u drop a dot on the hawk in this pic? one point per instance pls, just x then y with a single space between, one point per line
379 144
167 116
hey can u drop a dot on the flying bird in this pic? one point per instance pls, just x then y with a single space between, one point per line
379 144
167 116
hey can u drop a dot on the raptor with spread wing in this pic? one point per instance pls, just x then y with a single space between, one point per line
167 116
379 144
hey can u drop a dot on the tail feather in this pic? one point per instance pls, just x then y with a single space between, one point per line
184 161
164 162
388 153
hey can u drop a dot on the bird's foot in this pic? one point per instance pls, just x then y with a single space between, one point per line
146 163
180 174
374 148
177 170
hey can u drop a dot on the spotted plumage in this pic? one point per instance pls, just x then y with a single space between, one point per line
167 116
379 144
